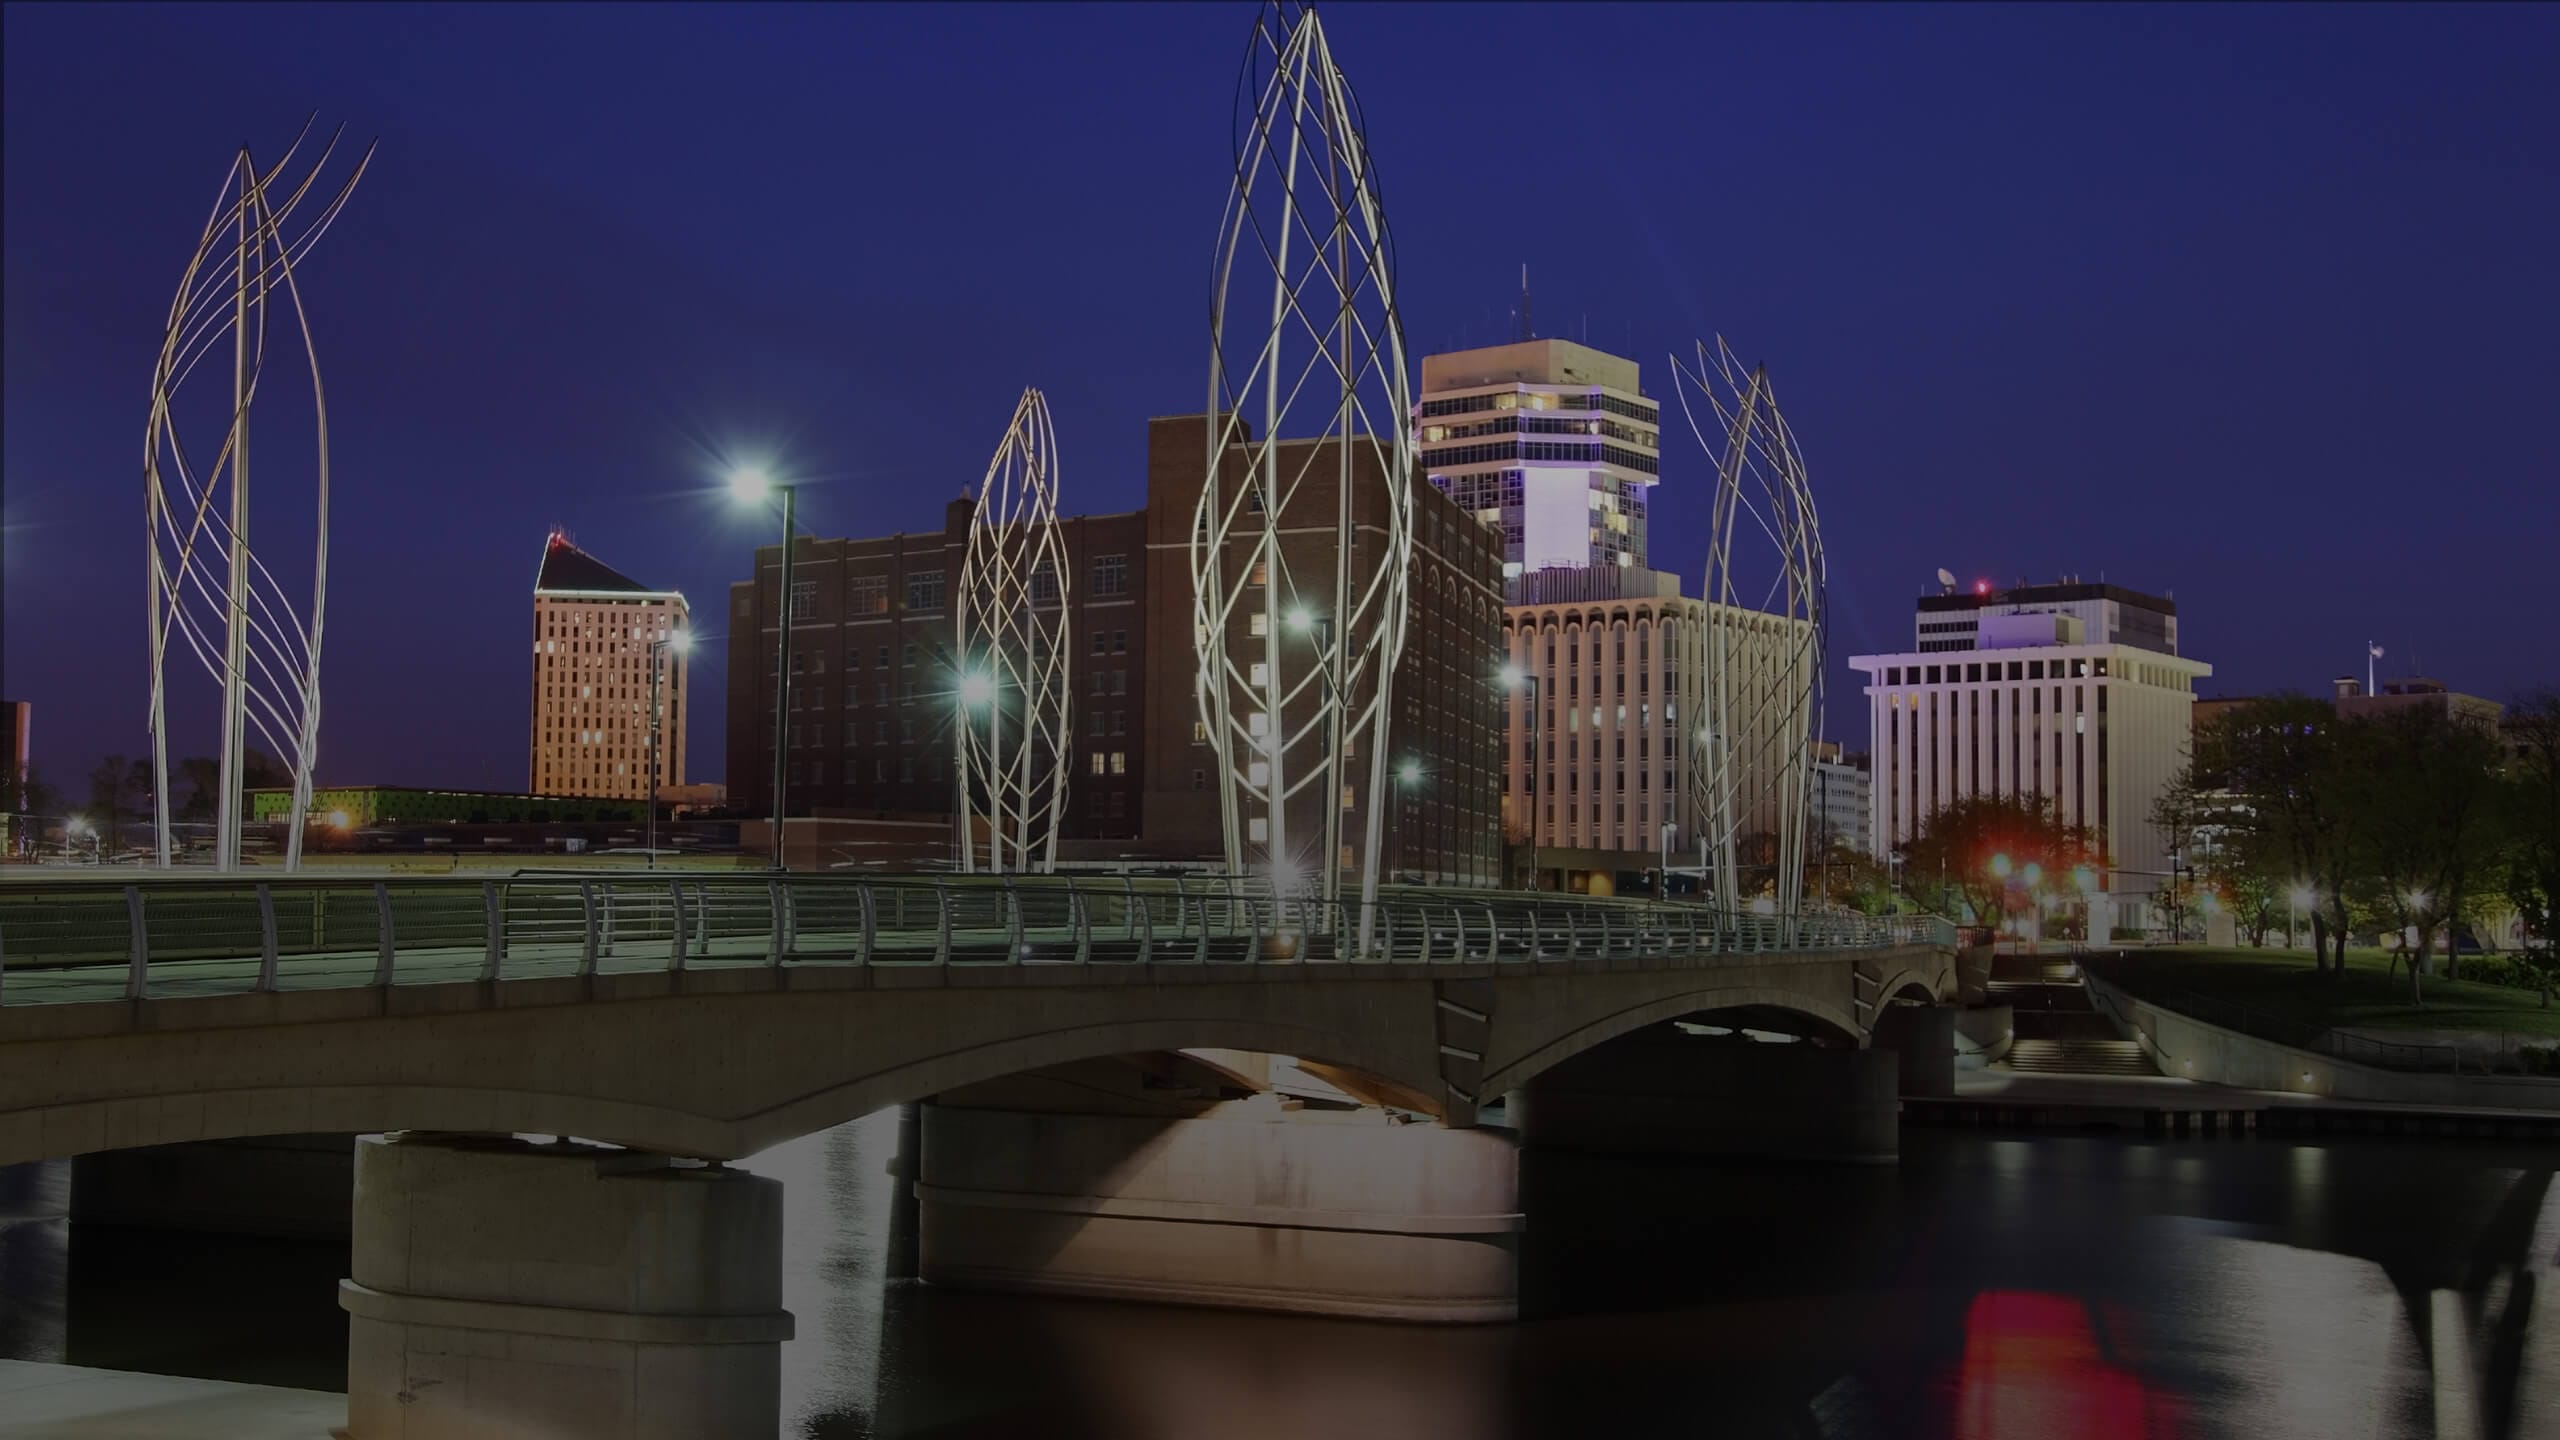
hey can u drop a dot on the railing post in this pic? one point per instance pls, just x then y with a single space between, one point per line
1387 930
1536 946
869 905
266 938
587 924
1128 916
493 911
779 898
1458 933
1082 920
137 980
675 936
1200 948
1146 923
1012 903
1254 954
702 920
942 923
382 933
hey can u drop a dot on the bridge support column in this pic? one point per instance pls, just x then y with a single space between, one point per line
566 1291
1923 1041
1249 1206
1662 1092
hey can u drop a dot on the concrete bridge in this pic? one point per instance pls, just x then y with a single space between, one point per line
1101 1053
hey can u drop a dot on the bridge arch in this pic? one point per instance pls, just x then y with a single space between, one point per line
1561 1047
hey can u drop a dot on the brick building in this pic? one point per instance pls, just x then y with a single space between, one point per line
597 635
874 692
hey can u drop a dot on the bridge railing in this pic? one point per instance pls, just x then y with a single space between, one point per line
98 939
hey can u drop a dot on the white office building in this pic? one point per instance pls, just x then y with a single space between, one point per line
1552 442
1843 808
2032 707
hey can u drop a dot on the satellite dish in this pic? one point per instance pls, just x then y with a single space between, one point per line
1946 577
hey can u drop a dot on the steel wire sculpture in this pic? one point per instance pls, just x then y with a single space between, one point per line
1753 780
208 587
1010 626
1298 642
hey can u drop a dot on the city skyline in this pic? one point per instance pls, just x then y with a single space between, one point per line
2220 343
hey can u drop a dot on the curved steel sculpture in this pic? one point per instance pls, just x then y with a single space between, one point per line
1298 641
1010 628
1753 777
208 587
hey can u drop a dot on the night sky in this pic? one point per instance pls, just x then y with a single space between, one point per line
2259 307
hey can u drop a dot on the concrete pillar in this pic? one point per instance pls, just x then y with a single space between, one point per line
1922 1039
273 1186
1662 1092
565 1292
1248 1205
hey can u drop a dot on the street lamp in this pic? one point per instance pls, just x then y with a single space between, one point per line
2303 897
1515 677
677 643
2000 865
752 486
1410 772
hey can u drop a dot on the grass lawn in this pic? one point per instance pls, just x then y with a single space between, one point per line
2282 983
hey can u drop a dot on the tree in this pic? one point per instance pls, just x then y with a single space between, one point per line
1978 849
2530 801
2427 789
2278 766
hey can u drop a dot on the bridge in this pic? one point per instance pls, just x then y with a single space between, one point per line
1119 1070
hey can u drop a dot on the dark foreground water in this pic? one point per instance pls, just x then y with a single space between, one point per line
1988 1288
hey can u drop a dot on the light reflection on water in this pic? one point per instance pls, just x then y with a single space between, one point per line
1988 1288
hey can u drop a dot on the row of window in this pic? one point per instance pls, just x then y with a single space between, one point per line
1543 450
1975 672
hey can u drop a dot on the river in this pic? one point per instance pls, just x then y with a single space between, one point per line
1991 1287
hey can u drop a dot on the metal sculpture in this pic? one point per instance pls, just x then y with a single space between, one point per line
1298 641
1753 780
208 587
1010 623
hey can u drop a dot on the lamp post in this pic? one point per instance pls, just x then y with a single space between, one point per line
752 486
677 642
2301 899
1516 677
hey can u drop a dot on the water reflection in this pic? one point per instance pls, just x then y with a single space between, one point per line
1989 1288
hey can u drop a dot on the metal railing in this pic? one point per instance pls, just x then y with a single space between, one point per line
137 935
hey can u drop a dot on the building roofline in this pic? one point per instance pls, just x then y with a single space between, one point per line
2047 594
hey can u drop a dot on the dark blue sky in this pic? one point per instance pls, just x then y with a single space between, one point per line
2258 306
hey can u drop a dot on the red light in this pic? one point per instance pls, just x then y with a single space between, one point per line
1981 587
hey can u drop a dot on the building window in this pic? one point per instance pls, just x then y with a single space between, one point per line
1119 762
1044 584
1098 762
1199 779
924 591
1110 574
1119 642
1119 722
869 595
804 599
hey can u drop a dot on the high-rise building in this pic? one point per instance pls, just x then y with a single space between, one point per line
1553 443
2034 707
593 632
1615 661
1954 619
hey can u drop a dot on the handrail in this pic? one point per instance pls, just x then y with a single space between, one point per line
2416 1056
259 932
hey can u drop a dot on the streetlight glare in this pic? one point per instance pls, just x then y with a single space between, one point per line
750 483
2035 873
1299 619
2000 865
2085 879
977 688
1409 772
1512 676
681 642
2303 895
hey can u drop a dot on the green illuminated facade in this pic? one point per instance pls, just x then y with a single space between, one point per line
355 806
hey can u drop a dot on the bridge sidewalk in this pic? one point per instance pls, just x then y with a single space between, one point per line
72 1402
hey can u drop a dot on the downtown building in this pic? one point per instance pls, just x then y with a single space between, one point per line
594 630
874 691
1556 448
2030 702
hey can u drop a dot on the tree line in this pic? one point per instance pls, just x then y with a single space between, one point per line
119 792
2415 821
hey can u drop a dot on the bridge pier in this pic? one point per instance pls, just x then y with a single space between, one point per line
1242 1204
1660 1091
1923 1041
565 1291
